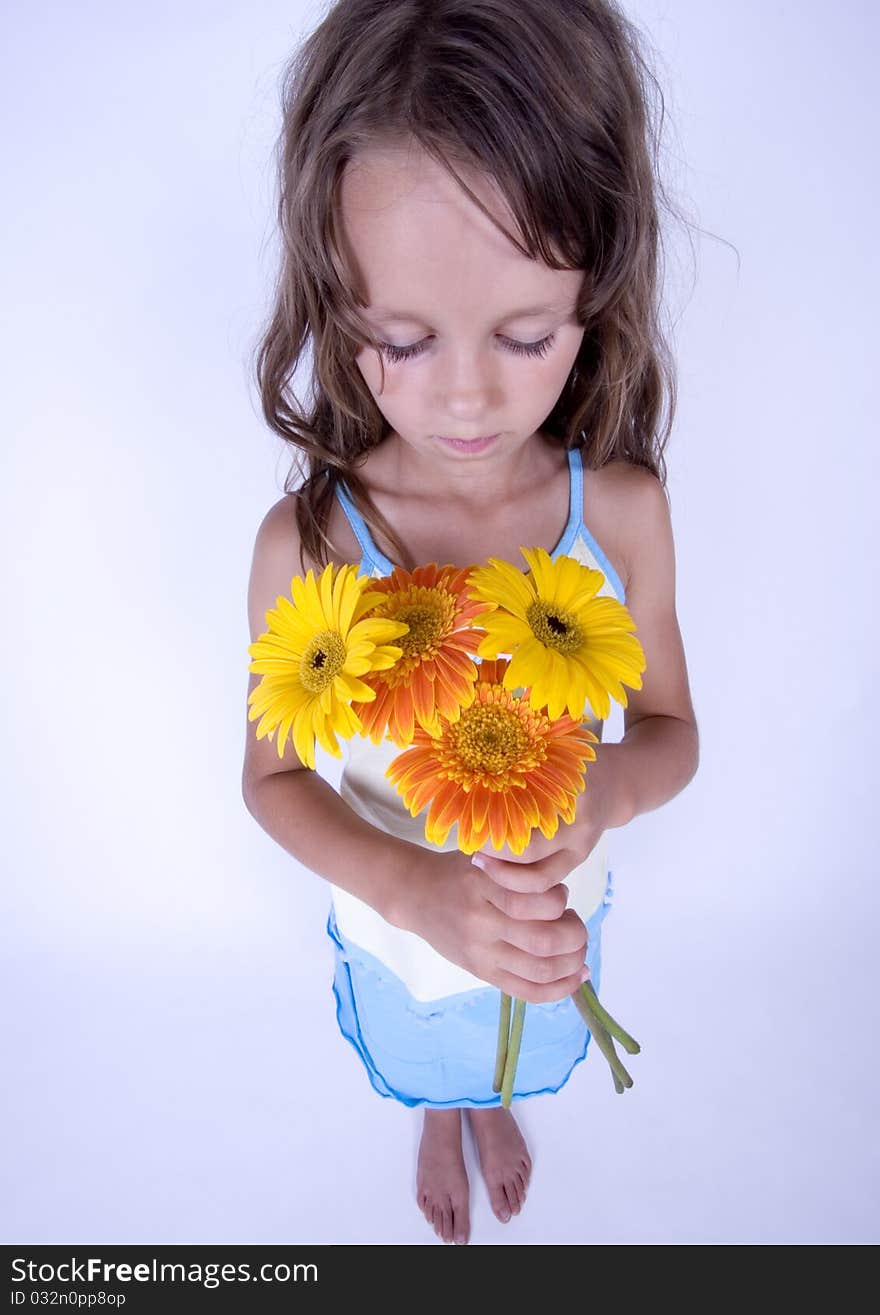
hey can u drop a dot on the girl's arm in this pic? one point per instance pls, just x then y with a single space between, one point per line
292 803
306 816
659 752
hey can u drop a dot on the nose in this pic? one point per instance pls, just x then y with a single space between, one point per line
469 388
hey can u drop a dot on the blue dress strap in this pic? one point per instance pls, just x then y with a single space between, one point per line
372 558
575 503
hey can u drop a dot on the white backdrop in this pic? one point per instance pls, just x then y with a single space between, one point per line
175 1072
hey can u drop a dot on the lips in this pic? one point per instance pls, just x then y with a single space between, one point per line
468 444
482 439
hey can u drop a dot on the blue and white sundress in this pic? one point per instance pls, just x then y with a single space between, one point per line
425 1028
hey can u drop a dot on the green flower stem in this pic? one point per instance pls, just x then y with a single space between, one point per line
519 1011
503 1035
606 1045
603 1041
584 1009
631 1046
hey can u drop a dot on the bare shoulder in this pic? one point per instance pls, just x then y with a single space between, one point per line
637 499
630 487
276 559
621 501
638 504
279 521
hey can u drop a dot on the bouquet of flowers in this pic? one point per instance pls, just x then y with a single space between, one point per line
497 747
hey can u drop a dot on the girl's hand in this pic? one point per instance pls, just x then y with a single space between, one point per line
515 880
524 942
508 924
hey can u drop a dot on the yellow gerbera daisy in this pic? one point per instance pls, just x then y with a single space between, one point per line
565 643
312 656
435 676
498 771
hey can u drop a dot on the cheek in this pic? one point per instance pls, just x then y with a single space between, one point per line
570 340
395 391
544 379
562 371
368 364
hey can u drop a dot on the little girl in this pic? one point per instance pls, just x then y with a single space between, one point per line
470 245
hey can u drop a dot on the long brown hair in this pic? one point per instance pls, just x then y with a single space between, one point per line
551 99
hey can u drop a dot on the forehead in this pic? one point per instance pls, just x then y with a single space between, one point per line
419 244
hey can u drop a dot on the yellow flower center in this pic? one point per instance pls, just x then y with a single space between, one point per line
430 615
425 627
555 627
488 738
323 659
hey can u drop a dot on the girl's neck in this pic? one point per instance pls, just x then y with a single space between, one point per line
503 475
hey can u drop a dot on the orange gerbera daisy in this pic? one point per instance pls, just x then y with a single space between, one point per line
501 769
436 673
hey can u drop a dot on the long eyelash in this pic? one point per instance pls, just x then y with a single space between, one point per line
530 348
539 348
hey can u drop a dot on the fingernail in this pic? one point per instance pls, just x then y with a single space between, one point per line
459 1241
478 862
586 974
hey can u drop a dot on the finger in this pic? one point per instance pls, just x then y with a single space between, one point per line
529 877
538 848
523 988
546 905
540 969
566 935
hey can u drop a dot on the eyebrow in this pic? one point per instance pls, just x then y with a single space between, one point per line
381 313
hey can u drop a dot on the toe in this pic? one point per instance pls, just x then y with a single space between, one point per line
461 1224
499 1202
512 1196
446 1222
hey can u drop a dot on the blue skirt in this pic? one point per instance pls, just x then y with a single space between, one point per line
441 1053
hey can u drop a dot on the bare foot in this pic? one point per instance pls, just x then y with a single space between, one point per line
504 1159
441 1178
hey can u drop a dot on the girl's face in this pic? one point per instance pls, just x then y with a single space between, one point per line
479 339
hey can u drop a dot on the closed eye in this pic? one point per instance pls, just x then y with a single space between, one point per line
539 348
